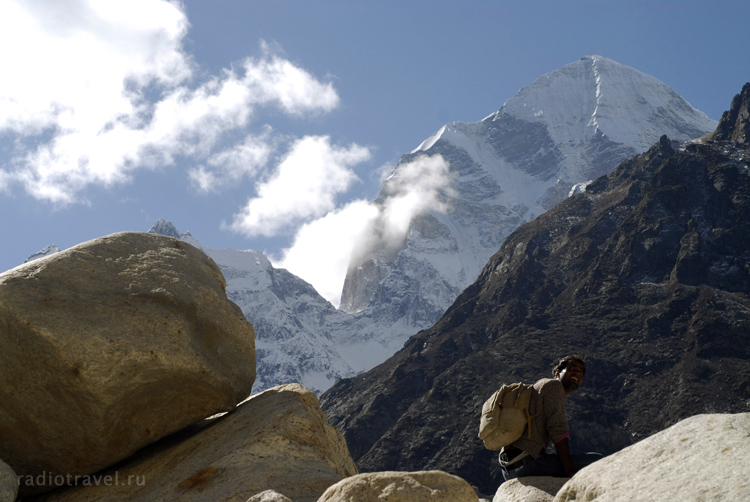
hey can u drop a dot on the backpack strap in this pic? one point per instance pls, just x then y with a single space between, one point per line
528 423
524 398
512 461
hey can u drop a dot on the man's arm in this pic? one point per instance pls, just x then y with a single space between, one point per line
557 426
563 452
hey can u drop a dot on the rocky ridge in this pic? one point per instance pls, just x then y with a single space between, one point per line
734 125
645 272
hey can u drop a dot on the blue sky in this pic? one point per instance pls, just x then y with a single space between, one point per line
268 124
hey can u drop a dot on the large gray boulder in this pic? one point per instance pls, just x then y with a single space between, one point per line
109 346
529 489
705 457
8 483
392 486
276 444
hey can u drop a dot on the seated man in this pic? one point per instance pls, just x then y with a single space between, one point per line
528 456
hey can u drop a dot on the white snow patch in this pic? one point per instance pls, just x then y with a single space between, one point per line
427 144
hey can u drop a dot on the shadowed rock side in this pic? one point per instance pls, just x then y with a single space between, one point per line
647 273
735 123
8 483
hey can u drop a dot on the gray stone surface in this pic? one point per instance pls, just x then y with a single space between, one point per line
422 486
705 457
269 496
109 346
529 489
8 483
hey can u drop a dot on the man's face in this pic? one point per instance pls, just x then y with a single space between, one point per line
571 376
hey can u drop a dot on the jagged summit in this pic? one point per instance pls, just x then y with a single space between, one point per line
596 96
164 227
48 250
735 123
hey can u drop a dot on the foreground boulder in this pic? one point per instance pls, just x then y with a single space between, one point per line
529 489
705 457
420 486
8 483
109 346
277 442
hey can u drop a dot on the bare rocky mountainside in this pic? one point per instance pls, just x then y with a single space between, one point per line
646 272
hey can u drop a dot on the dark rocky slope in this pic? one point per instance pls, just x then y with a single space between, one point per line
647 273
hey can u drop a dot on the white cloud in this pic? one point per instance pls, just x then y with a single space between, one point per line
412 189
78 90
244 159
304 186
274 79
69 62
322 248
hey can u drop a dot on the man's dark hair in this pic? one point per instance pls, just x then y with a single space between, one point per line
561 363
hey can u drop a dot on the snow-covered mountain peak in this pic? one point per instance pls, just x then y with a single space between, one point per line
564 129
164 227
596 95
427 144
48 250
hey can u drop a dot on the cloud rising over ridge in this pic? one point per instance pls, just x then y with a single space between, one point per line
360 227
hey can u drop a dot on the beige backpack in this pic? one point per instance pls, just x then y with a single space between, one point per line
505 416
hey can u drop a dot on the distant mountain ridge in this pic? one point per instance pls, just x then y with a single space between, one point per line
48 250
645 273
